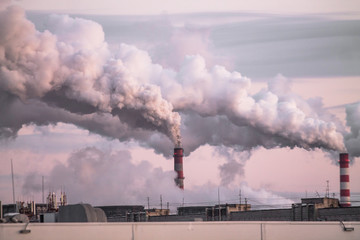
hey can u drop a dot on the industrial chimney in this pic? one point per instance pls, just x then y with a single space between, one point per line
178 166
344 180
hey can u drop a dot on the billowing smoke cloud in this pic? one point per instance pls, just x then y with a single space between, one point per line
352 140
4 4
70 75
185 41
110 177
234 165
73 70
271 112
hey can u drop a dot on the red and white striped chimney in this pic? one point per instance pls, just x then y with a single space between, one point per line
178 166
344 180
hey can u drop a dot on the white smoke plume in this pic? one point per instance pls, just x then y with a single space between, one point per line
110 177
74 70
70 75
352 140
234 166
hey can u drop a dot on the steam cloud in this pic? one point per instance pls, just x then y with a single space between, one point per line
103 177
352 140
74 70
70 75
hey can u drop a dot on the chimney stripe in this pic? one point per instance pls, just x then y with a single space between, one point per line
344 180
178 167
344 164
345 192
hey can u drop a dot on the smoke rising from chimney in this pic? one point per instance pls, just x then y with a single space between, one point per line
70 75
93 174
75 70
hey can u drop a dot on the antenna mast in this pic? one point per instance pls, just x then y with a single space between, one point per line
219 204
13 185
240 197
327 189
12 178
42 188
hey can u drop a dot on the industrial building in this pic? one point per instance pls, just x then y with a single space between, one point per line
35 211
309 209
124 213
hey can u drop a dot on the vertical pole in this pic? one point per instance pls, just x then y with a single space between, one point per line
42 188
213 213
148 201
160 201
327 189
240 198
219 204
13 185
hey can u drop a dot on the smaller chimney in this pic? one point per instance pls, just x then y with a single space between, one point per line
178 166
344 180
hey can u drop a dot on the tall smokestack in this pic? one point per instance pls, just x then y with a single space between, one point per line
344 180
178 166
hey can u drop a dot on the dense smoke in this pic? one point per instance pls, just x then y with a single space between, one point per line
68 74
234 165
73 70
352 140
110 177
